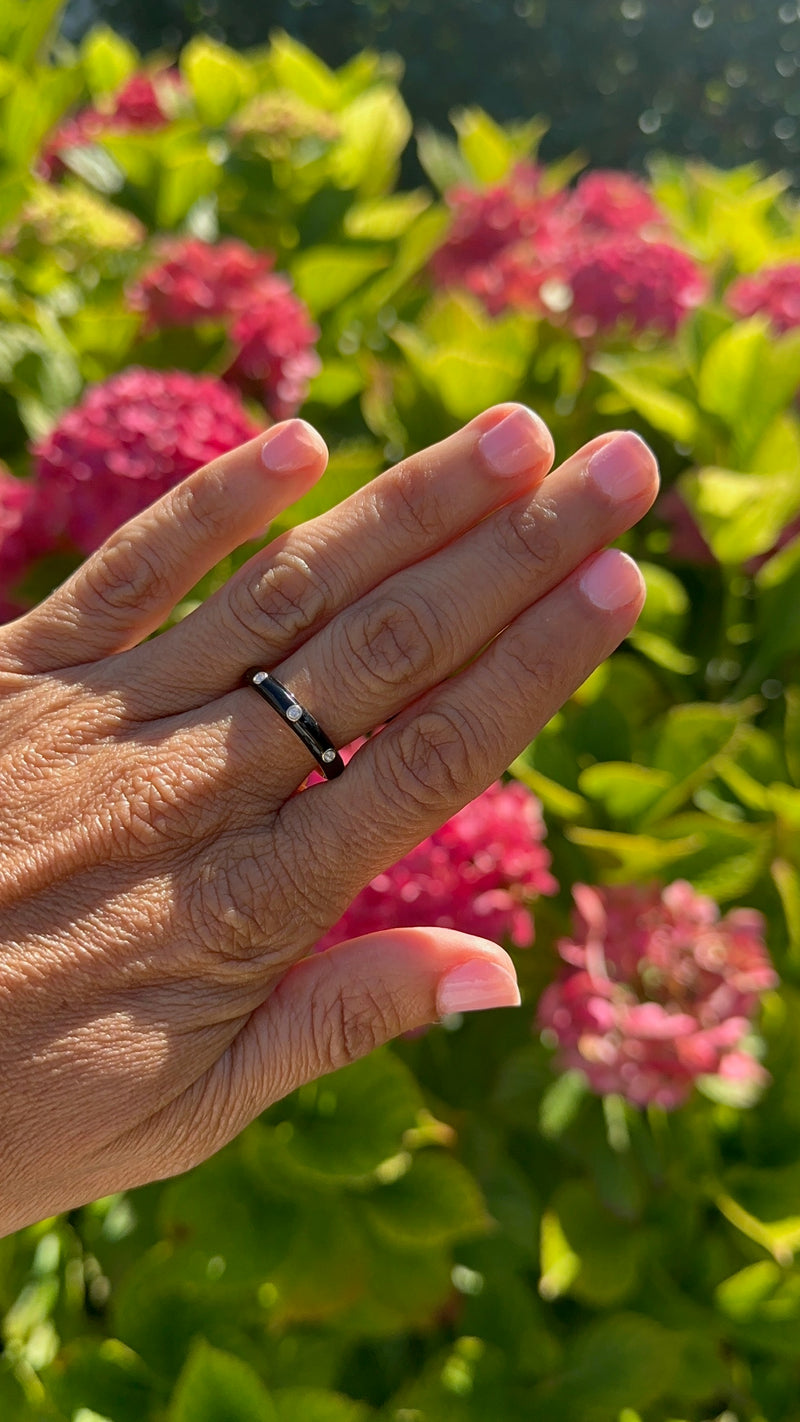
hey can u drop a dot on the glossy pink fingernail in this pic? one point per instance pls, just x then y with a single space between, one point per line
292 447
611 581
517 443
474 986
623 468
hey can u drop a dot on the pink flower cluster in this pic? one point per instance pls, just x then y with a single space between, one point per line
477 874
20 538
774 291
658 990
269 326
594 254
137 105
129 440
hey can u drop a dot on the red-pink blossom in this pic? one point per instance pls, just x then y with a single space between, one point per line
773 292
196 281
631 283
23 537
129 440
658 990
606 200
138 105
275 338
477 873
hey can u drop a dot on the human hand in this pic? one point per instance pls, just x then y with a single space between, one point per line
162 881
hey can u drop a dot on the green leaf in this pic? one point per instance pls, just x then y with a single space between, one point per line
25 25
664 409
375 129
33 108
626 790
435 1202
441 159
607 1251
102 1374
740 515
306 1404
556 799
625 1360
466 359
667 606
325 276
219 78
747 378
187 174
687 742
483 144
631 856
381 219
662 652
107 59
218 1387
342 1128
295 67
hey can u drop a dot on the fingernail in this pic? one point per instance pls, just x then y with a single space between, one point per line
623 468
612 580
476 985
292 447
517 443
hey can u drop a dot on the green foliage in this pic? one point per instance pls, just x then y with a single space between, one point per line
447 1231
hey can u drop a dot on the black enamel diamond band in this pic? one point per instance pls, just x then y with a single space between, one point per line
301 721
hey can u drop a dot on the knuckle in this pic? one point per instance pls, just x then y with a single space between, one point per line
532 667
200 507
410 505
395 641
285 594
431 758
350 1027
224 908
529 537
121 577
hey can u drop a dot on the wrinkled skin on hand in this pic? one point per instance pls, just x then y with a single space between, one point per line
163 883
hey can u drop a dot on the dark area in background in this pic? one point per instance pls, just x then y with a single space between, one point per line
617 78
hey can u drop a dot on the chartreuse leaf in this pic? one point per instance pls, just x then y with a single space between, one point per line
740 515
33 107
434 1202
295 67
24 27
556 799
664 409
308 1404
107 59
723 858
787 881
489 150
748 377
218 1387
381 219
626 790
375 129
219 78
765 1206
324 276
465 358
687 742
631 856
441 159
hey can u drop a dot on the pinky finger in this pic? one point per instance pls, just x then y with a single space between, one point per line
125 590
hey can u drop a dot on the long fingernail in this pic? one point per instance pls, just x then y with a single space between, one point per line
623 468
517 443
292 447
476 985
612 580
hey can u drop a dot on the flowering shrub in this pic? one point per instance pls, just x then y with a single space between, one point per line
471 1225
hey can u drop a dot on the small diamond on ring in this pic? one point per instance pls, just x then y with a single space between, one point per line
294 713
259 677
328 756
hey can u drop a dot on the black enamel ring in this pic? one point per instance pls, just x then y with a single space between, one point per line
301 721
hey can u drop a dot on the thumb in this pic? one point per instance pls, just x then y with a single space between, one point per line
336 1006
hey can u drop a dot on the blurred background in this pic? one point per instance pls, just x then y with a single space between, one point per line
617 78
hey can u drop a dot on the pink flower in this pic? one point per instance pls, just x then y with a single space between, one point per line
138 105
775 291
609 201
198 281
658 990
275 337
24 536
474 874
129 440
632 283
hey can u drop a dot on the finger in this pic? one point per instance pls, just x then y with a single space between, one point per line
296 584
334 1007
292 883
126 589
418 627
